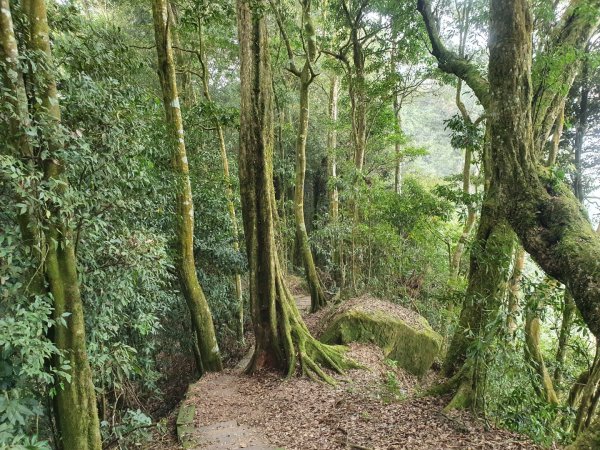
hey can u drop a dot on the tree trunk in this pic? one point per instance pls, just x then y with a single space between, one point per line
334 201
542 383
317 295
514 291
558 129
581 129
282 339
488 277
185 263
568 315
75 402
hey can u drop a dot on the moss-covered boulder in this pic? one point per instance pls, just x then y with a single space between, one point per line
404 335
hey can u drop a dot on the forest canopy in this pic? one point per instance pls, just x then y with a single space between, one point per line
226 190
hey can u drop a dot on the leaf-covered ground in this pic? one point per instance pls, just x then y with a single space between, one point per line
376 408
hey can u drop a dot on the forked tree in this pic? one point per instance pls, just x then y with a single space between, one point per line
542 211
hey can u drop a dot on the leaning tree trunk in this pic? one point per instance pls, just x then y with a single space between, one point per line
185 262
75 402
282 339
547 216
488 276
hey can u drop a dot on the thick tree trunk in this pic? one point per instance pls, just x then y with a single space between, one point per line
488 277
75 402
282 339
185 263
547 217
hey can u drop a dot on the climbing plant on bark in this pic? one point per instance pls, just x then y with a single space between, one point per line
74 405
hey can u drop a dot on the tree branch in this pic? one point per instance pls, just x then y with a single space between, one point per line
450 62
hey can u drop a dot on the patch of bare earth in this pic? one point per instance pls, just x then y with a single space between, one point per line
372 409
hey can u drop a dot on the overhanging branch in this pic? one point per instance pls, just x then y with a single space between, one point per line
450 62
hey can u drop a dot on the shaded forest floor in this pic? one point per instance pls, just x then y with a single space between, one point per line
378 408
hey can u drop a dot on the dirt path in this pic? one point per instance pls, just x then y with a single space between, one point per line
363 413
371 409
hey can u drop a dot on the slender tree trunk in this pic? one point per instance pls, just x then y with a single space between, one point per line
227 180
581 129
568 315
542 382
334 201
185 262
514 291
19 144
317 295
282 339
558 129
75 402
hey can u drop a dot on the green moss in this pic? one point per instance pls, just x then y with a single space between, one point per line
414 348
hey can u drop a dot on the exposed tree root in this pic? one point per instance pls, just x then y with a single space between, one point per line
299 350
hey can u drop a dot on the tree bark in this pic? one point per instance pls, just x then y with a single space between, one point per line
488 277
75 402
334 201
514 291
317 294
185 262
305 76
542 383
282 339
568 315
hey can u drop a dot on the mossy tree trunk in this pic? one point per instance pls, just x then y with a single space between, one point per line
514 291
545 215
489 272
317 294
542 382
19 145
75 406
568 315
305 77
282 339
184 259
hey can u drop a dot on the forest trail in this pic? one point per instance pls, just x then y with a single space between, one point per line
370 409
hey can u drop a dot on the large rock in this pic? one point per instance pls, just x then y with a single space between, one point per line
404 335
